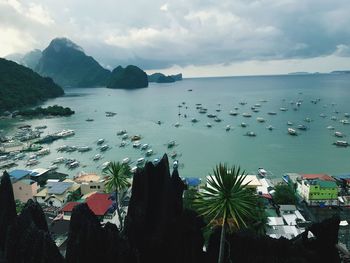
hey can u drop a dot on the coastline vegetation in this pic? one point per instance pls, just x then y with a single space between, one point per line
49 111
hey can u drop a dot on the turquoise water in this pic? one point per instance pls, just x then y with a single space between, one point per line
201 148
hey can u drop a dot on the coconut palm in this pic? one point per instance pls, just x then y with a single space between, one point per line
226 199
117 181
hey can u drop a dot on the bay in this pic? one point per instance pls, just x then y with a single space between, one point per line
200 148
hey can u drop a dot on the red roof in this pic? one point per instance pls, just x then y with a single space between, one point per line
267 196
324 177
98 203
69 206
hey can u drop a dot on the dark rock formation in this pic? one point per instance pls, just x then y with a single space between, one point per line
247 247
7 207
28 239
156 224
88 241
68 65
130 77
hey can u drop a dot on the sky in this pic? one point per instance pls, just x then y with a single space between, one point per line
196 37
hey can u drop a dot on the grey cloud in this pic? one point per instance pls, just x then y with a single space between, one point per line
193 32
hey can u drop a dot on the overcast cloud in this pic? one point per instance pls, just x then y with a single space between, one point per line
186 34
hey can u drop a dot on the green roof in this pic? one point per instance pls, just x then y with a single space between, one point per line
326 184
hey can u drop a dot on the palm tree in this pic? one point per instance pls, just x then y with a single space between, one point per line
118 175
227 199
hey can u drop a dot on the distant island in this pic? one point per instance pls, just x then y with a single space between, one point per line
161 78
130 77
21 86
341 72
49 111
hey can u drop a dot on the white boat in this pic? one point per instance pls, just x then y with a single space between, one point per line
341 143
32 162
175 164
208 125
66 133
302 127
58 160
246 114
140 161
73 165
217 119
330 127
122 144
194 120
83 148
289 123
177 124
233 113
71 148
136 144
283 109
345 121
97 157
100 141
53 167
43 151
228 127
203 110
338 134
171 144
125 136
144 146
250 134
270 127
243 124
260 119
104 165
104 147
257 105
346 115
291 131
173 155
272 113
211 115
121 132
149 152
323 115
307 119
62 148
126 160
133 169
262 172
333 118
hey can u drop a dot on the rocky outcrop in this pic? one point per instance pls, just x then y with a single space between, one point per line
28 239
161 78
130 77
7 207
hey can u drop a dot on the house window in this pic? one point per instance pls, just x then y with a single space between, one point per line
20 188
98 187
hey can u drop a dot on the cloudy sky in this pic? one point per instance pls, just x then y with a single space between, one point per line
199 38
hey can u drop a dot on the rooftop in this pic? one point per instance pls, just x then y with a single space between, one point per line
98 203
19 174
85 178
58 187
324 177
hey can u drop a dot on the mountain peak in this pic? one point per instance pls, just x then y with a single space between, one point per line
60 43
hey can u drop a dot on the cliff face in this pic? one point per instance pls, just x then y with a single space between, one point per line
67 64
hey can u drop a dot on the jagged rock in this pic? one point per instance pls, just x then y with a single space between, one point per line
131 77
155 204
7 207
28 239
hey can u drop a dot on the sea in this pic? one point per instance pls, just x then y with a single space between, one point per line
200 148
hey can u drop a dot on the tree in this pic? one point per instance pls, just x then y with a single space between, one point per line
284 195
227 199
118 175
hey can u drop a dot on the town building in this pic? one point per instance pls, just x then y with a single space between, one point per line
23 187
90 183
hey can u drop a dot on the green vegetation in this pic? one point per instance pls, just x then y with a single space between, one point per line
118 181
226 200
161 78
189 197
131 77
284 195
51 110
68 65
19 206
20 86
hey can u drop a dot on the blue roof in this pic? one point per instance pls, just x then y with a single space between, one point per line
192 181
342 176
18 174
58 187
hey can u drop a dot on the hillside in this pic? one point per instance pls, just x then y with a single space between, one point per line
130 77
20 86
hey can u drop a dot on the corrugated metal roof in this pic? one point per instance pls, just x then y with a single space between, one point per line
18 174
58 187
